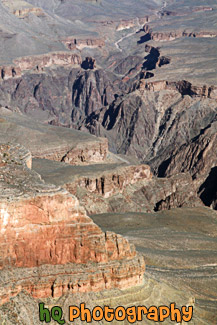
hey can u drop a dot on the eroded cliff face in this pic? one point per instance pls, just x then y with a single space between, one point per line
49 246
120 187
22 9
92 90
38 63
199 157
182 86
171 36
75 43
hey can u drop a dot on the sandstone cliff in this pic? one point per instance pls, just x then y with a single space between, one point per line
48 244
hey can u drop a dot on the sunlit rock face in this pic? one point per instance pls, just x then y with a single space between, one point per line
44 230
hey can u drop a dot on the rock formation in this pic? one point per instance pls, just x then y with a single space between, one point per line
22 9
183 86
48 244
38 63
199 157
7 72
42 61
22 13
75 43
141 76
171 36
120 187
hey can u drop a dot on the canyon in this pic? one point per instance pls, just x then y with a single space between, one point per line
108 124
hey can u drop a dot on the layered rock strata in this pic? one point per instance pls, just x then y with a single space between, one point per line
142 193
120 187
182 86
22 9
46 60
38 63
75 43
48 245
170 36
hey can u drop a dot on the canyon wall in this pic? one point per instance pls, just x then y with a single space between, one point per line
48 245
182 86
38 63
172 35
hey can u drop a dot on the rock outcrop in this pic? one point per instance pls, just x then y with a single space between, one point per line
23 13
183 86
48 245
170 36
39 62
120 187
22 9
75 43
127 24
141 193
91 91
8 71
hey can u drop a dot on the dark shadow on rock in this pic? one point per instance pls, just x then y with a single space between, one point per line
163 167
208 190
144 39
151 59
88 63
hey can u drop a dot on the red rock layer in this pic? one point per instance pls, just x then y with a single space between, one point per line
48 245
